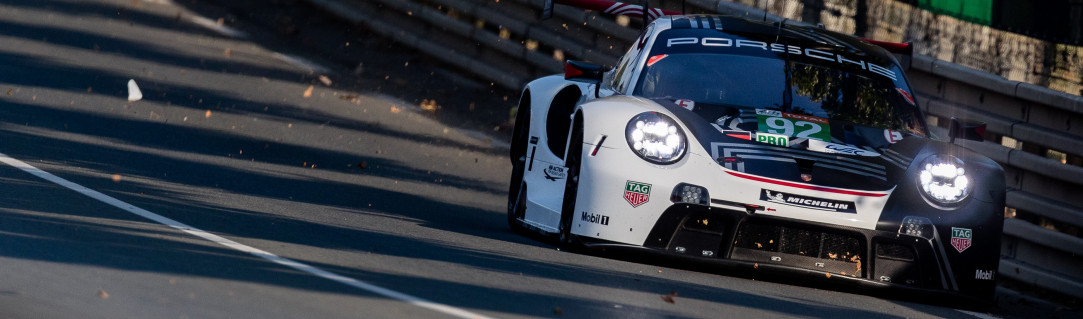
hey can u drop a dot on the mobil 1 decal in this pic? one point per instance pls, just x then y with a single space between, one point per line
637 193
595 218
961 238
796 125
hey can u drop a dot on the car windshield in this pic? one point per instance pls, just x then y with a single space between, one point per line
752 82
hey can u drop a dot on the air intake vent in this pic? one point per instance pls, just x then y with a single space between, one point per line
800 247
895 251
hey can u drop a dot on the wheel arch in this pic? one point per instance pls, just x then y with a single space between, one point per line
552 101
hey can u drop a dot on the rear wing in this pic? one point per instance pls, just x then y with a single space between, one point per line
904 52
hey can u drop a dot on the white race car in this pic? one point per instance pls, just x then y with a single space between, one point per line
766 145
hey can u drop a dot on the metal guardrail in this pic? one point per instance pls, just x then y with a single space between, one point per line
504 42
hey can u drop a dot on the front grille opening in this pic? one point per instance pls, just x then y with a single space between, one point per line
800 247
758 237
705 223
895 251
699 234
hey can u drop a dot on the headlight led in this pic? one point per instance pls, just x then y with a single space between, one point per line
943 179
656 138
690 194
917 226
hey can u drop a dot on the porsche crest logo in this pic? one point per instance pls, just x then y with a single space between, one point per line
637 193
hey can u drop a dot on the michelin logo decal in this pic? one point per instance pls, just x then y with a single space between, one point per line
807 202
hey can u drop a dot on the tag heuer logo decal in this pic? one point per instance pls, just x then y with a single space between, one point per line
637 193
961 238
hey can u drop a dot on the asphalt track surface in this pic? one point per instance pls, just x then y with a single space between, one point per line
243 186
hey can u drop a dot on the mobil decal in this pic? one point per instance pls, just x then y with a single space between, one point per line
807 202
637 193
985 274
594 218
961 238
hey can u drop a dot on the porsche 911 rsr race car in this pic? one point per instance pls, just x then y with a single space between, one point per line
760 144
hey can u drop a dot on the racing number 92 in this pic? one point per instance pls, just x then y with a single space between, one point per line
800 126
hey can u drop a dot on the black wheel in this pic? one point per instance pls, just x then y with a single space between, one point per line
571 187
519 144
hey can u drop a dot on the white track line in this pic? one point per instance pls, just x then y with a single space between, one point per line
237 246
977 314
214 26
302 63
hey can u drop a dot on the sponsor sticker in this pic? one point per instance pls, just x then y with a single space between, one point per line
594 218
637 193
984 274
773 139
654 59
892 136
744 135
554 173
807 202
685 103
796 125
961 238
835 148
906 96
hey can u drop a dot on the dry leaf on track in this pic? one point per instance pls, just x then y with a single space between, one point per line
669 298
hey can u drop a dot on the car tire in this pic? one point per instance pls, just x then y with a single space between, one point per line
571 187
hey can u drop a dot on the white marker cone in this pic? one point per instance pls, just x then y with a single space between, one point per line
133 91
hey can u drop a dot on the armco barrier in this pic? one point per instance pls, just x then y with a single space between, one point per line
504 41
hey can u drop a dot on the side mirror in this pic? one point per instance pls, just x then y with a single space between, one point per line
584 72
547 10
967 130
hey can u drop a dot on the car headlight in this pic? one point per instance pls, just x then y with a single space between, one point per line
656 138
943 179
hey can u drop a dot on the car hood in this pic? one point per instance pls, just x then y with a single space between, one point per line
855 157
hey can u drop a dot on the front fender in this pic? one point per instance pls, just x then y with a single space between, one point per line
609 117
